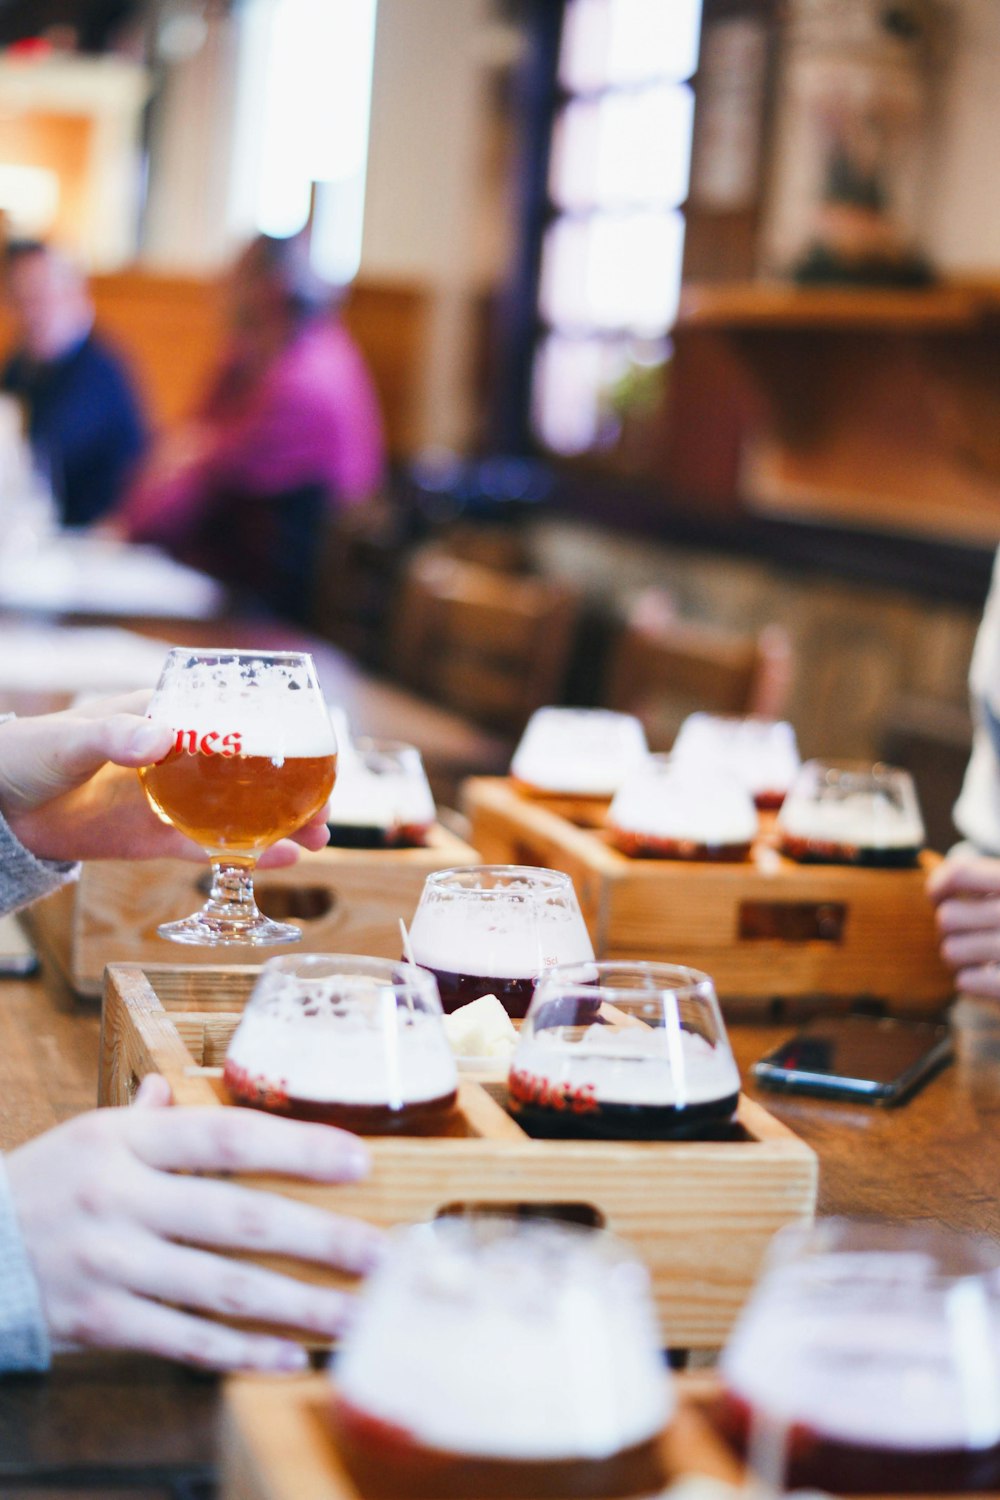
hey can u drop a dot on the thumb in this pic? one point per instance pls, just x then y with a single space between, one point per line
153 1093
129 741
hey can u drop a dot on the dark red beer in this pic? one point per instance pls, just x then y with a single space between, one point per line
413 1117
816 1461
388 1463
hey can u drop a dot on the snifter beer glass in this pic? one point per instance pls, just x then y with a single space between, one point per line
493 929
502 1357
851 814
623 1050
347 1040
868 1361
254 758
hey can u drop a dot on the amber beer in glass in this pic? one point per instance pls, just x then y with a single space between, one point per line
254 758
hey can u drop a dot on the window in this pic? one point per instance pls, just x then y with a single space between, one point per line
613 243
306 75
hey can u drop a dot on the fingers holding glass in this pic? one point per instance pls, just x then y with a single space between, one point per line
254 759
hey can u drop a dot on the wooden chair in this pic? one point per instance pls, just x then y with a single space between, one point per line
662 668
494 646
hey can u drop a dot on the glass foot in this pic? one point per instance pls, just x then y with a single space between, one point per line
221 932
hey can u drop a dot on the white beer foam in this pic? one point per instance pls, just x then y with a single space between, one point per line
372 1053
503 1357
871 1362
585 752
761 753
685 802
632 1065
277 716
497 937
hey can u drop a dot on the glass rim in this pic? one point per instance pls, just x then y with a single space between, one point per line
669 979
383 971
381 743
795 1243
238 653
539 874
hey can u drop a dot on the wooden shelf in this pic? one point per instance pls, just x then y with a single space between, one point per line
738 306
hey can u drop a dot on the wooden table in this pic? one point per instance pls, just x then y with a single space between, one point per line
111 1422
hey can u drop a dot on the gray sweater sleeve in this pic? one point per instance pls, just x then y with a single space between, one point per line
23 878
24 1339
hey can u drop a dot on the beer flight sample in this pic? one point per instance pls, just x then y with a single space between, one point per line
623 1050
845 814
349 1041
254 758
867 1361
381 799
492 929
499 1357
670 810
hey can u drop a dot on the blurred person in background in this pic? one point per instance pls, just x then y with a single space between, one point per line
289 435
83 418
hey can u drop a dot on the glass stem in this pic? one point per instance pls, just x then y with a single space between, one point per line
231 898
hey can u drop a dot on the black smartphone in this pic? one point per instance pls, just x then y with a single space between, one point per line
870 1059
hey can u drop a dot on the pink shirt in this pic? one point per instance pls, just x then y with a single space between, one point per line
312 419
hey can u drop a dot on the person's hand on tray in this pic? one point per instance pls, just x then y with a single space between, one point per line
965 888
120 1228
69 791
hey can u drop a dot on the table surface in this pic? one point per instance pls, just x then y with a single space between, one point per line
121 1421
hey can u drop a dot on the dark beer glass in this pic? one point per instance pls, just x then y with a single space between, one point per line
382 799
851 814
868 1361
493 929
501 1358
346 1040
665 810
623 1050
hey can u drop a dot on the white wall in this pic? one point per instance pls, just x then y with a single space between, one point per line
420 211
963 205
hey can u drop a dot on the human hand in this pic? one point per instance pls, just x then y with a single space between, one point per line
966 891
115 1232
69 790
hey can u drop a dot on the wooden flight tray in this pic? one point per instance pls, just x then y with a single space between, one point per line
345 900
276 1444
767 929
699 1213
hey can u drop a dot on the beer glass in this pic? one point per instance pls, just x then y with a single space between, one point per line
503 1357
667 810
382 799
868 1361
492 929
623 1050
851 814
254 758
347 1040
761 753
578 752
